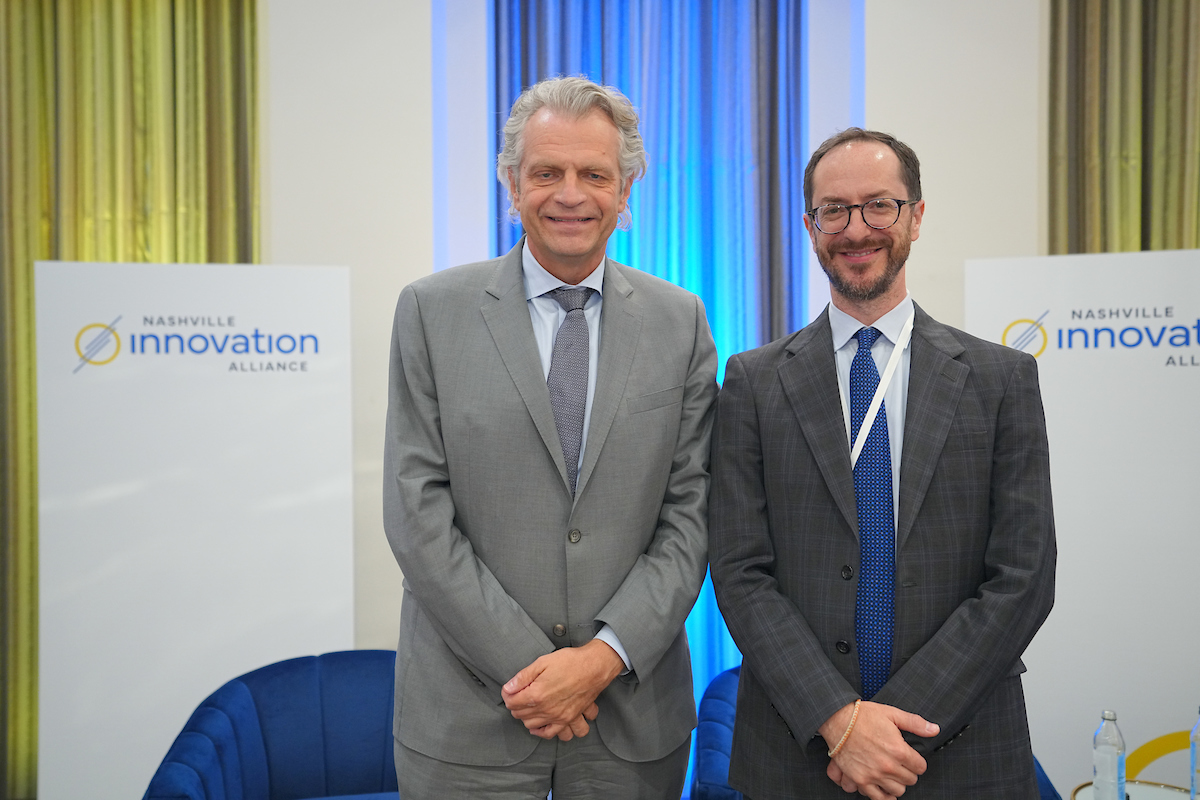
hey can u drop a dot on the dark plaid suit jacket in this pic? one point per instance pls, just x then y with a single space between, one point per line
974 561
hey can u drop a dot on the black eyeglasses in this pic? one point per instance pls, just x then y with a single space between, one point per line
878 214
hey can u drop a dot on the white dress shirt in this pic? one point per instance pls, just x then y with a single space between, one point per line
895 398
547 316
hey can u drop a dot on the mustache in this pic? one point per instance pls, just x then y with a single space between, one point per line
864 244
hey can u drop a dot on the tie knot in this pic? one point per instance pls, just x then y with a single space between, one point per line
867 337
572 298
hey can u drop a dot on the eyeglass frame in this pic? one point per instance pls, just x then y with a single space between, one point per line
900 204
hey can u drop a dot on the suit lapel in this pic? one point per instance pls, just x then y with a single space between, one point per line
935 384
809 379
620 329
506 313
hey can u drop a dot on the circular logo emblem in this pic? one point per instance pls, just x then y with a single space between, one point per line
1026 335
97 344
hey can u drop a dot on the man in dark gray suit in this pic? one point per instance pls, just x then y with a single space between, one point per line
546 487
882 537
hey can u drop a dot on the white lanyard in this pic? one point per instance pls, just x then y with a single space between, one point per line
877 400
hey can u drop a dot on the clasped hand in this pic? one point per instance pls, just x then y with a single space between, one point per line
875 760
555 696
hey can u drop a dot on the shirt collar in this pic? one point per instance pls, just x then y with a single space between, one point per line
846 327
538 281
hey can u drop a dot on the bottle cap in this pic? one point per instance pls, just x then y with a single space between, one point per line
1107 714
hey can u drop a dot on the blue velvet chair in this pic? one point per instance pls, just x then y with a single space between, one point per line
1046 790
714 741
312 727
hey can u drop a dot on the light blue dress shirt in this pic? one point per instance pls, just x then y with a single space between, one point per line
895 398
547 316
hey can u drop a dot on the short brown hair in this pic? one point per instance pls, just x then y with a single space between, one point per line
910 165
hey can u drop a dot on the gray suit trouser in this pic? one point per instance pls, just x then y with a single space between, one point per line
581 769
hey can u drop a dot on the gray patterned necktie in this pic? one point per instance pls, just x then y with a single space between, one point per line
568 378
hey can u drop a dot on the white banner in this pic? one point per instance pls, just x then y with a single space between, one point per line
1117 337
195 498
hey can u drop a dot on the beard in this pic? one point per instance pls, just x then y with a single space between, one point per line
897 256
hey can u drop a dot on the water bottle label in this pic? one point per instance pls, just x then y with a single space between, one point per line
1121 776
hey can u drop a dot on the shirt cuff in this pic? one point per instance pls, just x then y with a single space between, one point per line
609 637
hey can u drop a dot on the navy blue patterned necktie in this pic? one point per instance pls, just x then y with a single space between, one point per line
568 377
874 610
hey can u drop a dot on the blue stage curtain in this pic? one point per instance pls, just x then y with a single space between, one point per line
718 86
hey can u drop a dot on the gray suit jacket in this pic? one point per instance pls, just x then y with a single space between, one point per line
974 559
479 512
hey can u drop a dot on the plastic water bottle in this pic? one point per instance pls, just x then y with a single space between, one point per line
1108 759
1195 766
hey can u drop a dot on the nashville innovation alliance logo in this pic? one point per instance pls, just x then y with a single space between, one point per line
1137 328
100 344
218 339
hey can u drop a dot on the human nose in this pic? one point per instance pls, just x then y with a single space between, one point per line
570 191
857 224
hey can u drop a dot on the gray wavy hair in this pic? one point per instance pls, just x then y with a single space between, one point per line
572 97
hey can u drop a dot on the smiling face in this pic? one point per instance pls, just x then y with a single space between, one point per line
865 266
569 190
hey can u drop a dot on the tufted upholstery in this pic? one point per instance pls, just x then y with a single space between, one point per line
714 739
312 727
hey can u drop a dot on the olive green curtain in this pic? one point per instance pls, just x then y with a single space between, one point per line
127 133
1124 125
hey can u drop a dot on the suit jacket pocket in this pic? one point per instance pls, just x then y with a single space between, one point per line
649 402
968 440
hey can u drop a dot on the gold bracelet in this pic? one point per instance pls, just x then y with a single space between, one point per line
850 727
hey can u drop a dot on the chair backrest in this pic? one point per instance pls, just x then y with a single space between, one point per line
714 739
317 726
1046 790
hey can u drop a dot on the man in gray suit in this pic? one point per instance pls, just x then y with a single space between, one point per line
881 570
546 483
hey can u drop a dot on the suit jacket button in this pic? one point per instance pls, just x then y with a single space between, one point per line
574 536
560 630
847 573
843 647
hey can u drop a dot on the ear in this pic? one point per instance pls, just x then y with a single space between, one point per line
628 187
512 185
918 213
812 230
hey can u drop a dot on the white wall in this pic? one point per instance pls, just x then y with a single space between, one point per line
965 84
464 152
835 41
346 140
